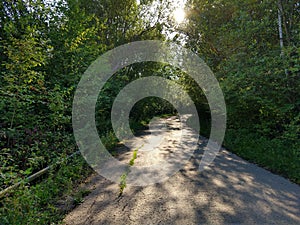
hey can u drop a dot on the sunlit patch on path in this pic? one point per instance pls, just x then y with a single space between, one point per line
232 191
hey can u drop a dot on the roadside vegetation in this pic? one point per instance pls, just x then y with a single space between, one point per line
45 47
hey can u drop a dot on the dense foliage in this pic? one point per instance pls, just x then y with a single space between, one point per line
261 80
45 47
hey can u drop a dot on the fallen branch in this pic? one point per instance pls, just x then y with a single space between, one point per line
35 175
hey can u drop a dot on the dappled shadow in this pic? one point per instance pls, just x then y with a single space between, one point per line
231 191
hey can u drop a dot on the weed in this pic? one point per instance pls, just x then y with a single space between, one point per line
131 162
273 154
37 203
123 177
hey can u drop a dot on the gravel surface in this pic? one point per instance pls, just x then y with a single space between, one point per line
231 191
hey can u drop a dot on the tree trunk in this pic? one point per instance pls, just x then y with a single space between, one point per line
280 26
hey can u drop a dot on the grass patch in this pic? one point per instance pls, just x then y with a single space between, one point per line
131 162
38 203
276 155
123 178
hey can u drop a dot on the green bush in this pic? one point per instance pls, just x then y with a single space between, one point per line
276 155
37 203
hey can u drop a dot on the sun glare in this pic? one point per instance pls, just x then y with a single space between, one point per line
179 15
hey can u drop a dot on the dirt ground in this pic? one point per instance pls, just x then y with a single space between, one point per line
231 191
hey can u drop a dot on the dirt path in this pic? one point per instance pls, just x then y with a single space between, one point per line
232 191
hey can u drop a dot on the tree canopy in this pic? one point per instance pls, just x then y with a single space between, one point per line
252 47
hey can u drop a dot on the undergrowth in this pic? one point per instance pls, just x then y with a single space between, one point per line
37 203
279 156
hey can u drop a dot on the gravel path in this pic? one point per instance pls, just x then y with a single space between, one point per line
231 191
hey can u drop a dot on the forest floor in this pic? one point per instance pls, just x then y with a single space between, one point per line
231 191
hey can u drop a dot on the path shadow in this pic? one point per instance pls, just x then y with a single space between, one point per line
231 191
